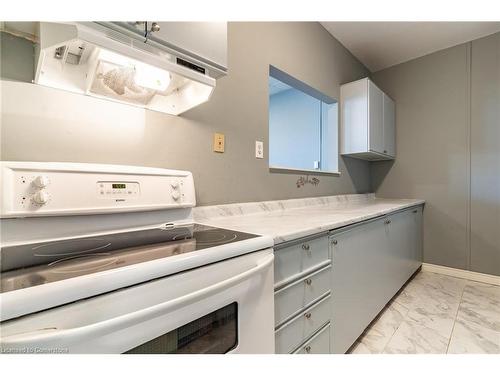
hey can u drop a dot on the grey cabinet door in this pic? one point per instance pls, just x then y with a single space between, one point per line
375 118
359 280
206 40
389 127
371 262
404 234
417 238
203 41
401 238
419 222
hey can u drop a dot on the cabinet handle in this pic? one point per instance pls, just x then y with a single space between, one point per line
415 211
155 27
385 151
308 281
306 247
387 221
307 315
308 349
334 242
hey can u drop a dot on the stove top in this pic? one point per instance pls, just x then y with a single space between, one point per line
34 264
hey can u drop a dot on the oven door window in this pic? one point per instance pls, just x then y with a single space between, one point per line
214 333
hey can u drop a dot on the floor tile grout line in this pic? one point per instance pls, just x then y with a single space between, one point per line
409 310
456 317
402 320
388 341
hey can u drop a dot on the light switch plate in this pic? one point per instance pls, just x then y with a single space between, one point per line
219 140
259 149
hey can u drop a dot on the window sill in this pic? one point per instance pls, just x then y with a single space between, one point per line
301 171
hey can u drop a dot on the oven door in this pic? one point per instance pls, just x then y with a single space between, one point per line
226 307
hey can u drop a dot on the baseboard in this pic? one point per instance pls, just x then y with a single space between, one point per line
462 274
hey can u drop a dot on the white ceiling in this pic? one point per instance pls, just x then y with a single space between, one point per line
379 45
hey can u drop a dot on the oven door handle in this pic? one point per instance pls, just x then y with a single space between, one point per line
64 336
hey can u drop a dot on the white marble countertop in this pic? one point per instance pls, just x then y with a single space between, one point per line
290 219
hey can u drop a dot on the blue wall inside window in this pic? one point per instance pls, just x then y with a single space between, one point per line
294 130
303 131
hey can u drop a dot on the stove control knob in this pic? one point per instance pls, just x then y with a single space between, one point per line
41 181
41 197
176 195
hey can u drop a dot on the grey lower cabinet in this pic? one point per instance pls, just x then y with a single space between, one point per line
329 287
371 262
302 297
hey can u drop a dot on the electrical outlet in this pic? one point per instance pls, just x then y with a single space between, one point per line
259 149
219 140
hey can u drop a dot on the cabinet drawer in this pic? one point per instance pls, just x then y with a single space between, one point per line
318 344
299 294
299 258
294 332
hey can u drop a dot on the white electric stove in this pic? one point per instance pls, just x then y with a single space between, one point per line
107 259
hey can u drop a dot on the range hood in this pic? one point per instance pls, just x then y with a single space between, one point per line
106 62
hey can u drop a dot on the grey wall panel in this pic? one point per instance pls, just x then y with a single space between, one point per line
485 155
238 108
431 136
448 138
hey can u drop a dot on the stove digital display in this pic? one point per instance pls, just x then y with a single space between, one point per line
118 186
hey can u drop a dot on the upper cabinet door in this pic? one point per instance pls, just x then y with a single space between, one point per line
367 121
354 117
376 118
207 40
389 127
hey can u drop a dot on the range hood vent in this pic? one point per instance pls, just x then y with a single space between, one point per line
92 59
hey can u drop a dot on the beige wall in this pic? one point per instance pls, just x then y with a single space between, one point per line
448 150
58 126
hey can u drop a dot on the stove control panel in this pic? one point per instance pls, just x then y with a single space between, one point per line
47 189
114 189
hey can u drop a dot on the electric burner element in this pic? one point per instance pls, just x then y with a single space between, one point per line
29 265
82 263
211 238
77 246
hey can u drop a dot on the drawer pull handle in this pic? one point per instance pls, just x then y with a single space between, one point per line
308 349
307 315
308 281
387 221
306 247
334 242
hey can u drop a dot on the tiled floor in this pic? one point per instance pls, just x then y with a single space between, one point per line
437 314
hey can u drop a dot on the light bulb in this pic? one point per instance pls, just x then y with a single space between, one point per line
151 77
115 58
145 75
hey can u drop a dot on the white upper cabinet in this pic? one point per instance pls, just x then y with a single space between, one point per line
367 121
203 43
206 40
